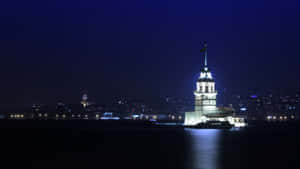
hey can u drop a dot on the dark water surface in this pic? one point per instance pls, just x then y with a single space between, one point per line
94 144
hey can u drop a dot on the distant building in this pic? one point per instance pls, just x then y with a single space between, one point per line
84 102
270 106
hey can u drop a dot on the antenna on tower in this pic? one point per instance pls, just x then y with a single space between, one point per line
205 48
205 54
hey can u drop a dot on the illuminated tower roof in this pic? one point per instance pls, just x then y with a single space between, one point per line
205 74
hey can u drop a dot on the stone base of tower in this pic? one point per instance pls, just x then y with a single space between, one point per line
199 117
193 118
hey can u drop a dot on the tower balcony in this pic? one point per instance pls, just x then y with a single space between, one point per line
208 94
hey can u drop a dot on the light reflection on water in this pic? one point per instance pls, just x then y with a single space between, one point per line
204 148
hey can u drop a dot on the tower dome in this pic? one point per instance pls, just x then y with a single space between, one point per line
205 76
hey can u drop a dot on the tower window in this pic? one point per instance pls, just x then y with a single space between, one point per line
212 89
206 89
200 88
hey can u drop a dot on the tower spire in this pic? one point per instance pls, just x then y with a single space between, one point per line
205 48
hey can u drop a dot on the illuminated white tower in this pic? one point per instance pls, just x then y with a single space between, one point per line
205 96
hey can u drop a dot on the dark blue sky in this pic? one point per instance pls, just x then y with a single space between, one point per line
54 49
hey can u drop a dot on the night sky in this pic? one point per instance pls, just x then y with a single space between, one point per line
53 50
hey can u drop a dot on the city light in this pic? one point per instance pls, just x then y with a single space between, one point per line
243 109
